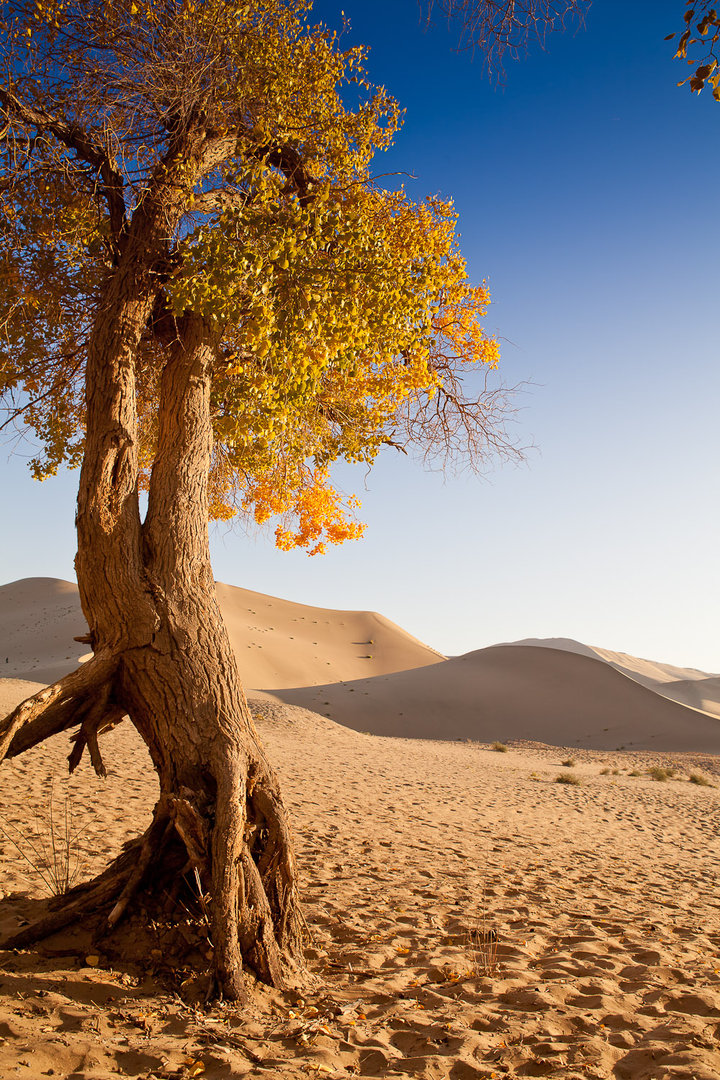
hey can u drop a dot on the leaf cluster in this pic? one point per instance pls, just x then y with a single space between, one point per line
699 41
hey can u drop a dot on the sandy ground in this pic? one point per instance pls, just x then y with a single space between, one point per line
468 916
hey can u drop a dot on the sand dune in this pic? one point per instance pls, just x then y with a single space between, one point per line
515 692
278 643
688 686
369 674
39 617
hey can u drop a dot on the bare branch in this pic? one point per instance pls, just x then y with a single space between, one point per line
497 27
74 138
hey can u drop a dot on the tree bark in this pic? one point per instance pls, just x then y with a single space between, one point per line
184 694
147 592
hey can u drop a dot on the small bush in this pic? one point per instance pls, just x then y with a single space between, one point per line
603 772
567 778
661 773
569 762
499 747
634 772
698 778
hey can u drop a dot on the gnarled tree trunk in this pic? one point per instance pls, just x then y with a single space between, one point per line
162 655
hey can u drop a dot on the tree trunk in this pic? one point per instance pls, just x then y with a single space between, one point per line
162 655
184 695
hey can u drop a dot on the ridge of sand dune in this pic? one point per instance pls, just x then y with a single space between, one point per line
278 643
516 692
688 686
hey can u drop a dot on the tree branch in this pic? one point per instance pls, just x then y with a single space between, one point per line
55 707
101 718
85 148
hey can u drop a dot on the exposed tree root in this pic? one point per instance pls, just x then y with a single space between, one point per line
119 882
248 915
152 842
219 821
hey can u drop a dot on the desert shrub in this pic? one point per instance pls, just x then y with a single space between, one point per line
661 772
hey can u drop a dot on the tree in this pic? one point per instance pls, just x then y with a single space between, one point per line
205 294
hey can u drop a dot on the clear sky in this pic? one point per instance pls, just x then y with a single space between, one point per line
587 188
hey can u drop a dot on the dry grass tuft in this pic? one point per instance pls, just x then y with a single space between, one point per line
51 847
482 946
499 747
567 778
661 773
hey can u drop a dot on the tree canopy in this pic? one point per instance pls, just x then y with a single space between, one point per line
206 289
339 311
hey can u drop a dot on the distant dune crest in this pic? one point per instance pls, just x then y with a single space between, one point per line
687 686
363 671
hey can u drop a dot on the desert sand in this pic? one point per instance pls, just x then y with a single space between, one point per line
688 686
278 643
516 692
468 915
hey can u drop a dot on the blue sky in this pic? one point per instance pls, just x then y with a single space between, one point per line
587 189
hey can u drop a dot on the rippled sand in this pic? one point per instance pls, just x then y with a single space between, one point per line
469 917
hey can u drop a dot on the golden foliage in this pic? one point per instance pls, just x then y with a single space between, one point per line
701 39
340 311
